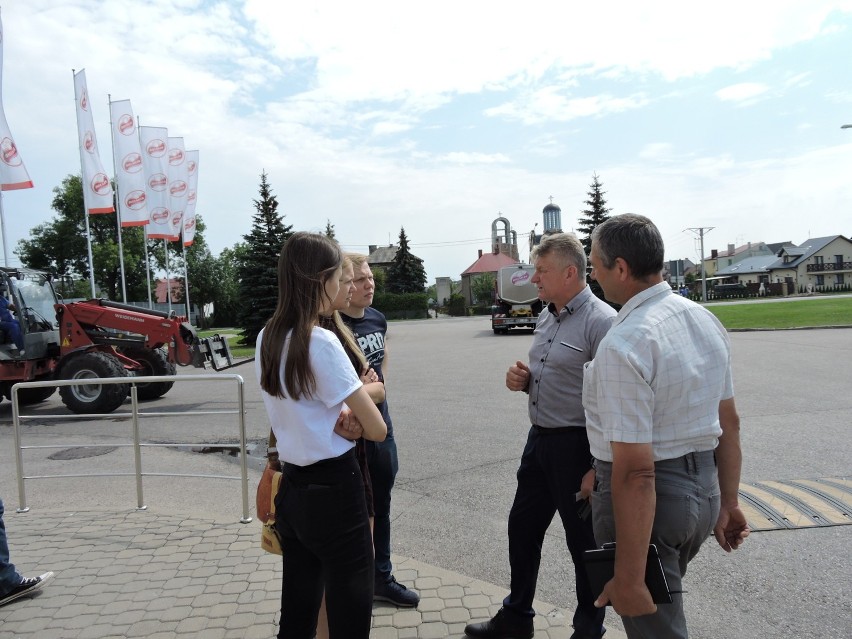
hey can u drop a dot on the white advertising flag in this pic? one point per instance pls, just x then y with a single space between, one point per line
178 186
191 198
13 173
96 184
154 141
129 172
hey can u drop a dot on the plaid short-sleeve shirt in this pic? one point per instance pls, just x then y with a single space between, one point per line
658 377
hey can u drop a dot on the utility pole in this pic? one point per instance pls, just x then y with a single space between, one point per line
700 232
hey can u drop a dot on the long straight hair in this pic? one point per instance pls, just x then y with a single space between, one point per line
307 262
334 323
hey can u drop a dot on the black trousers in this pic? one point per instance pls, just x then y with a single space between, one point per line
552 467
321 515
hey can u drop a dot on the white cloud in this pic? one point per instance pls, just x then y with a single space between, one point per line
744 92
371 114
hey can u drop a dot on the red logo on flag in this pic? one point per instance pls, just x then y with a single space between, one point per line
160 215
89 142
132 162
158 182
100 184
9 152
135 200
176 218
191 166
156 148
190 224
175 156
190 198
84 99
125 124
177 188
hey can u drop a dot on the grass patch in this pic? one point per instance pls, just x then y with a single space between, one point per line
233 337
787 314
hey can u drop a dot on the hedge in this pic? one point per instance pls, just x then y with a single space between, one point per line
402 305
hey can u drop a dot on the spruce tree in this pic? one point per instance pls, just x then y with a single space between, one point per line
596 212
406 274
258 291
329 230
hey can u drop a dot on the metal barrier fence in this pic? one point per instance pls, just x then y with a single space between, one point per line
137 445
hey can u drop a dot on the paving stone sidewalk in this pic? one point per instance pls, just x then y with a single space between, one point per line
145 574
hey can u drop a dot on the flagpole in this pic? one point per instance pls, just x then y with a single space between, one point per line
3 231
147 267
168 277
117 203
186 283
85 200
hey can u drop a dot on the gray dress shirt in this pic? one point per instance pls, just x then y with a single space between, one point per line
562 344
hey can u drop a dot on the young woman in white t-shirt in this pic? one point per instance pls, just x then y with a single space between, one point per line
321 513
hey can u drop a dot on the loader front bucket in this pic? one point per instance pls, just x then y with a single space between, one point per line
216 351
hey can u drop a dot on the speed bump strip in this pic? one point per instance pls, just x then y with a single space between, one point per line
800 503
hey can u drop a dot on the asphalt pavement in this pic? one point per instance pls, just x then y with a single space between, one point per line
460 434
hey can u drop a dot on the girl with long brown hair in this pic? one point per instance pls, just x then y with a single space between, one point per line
321 512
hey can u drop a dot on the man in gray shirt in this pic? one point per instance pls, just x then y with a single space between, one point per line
555 474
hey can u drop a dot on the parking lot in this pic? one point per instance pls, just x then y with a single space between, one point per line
460 434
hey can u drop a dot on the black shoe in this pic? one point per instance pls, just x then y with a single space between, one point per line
397 594
504 625
26 587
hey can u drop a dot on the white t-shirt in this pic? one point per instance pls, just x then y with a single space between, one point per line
304 428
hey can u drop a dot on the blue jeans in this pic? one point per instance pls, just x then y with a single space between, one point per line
13 330
9 577
552 467
383 462
688 501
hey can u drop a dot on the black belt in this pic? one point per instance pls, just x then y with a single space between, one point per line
558 429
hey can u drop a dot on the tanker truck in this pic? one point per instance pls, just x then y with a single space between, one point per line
516 303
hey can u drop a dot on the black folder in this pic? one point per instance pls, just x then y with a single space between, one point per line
600 567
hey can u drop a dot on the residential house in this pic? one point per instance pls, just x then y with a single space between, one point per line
382 257
721 259
818 262
488 263
752 270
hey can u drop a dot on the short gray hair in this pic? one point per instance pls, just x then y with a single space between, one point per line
635 239
565 246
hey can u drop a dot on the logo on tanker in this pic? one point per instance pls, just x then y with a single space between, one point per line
175 156
132 162
89 142
9 152
125 124
135 200
158 182
520 278
160 215
100 184
177 188
155 148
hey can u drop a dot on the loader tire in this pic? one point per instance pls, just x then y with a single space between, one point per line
30 396
154 362
93 398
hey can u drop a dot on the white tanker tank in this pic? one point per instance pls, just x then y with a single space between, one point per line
516 303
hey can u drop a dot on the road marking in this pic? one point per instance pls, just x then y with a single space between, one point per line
799 503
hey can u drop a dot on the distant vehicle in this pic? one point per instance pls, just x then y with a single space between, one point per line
516 303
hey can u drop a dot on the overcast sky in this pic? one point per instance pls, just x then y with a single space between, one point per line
442 116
